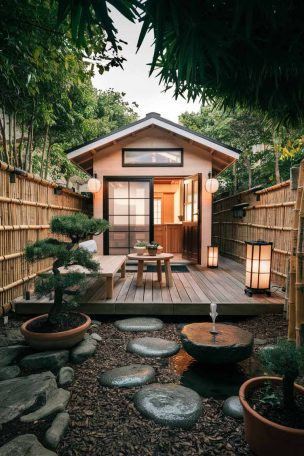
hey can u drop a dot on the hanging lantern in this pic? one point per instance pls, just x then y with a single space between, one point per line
94 185
258 267
212 184
212 256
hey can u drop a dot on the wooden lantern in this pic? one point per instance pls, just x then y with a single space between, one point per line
258 267
212 256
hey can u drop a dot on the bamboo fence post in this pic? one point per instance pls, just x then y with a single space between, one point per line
299 285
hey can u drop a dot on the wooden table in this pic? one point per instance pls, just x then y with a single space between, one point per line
146 258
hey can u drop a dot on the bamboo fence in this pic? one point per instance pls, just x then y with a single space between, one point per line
268 217
26 208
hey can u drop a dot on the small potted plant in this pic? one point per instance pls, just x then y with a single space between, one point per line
140 247
62 327
274 406
153 247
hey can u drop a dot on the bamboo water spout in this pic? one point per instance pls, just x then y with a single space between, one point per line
213 314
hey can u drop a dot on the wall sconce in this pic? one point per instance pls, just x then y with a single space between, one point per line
238 211
212 184
258 267
212 256
94 185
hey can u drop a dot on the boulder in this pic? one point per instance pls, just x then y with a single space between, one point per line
233 407
138 324
51 360
127 376
57 430
25 445
11 337
169 404
153 347
66 376
56 402
20 394
10 353
83 350
8 372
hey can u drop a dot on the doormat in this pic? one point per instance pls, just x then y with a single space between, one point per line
174 268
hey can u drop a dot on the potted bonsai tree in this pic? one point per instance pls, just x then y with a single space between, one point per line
62 327
274 406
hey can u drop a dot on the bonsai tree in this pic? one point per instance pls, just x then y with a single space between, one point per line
77 227
287 361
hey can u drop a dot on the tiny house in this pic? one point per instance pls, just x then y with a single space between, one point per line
153 175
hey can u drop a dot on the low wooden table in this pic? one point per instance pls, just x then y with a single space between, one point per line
146 258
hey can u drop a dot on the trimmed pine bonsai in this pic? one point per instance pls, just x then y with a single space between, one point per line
77 227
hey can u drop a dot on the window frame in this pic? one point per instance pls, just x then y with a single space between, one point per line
153 165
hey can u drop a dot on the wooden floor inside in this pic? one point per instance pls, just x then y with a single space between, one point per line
191 294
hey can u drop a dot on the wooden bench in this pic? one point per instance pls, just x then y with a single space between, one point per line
109 265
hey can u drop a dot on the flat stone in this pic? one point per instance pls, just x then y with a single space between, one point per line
169 404
66 376
231 345
260 341
96 323
8 354
96 336
20 394
52 360
56 402
138 324
83 350
11 337
57 430
25 445
8 372
153 347
233 407
127 376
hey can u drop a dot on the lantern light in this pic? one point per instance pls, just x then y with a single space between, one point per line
94 184
212 184
258 267
212 256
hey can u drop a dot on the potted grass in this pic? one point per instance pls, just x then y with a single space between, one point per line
62 327
274 406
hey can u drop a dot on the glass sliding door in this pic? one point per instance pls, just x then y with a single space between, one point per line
128 207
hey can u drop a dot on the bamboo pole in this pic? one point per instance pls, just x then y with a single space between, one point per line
299 285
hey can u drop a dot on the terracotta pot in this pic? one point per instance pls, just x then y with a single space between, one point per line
51 341
264 436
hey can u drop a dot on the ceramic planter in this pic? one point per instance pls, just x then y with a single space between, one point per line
52 341
140 250
152 252
264 436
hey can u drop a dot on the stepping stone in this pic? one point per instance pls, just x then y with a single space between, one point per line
8 354
25 445
12 337
96 336
169 404
84 350
57 430
52 360
138 324
153 347
56 402
233 407
8 372
127 376
20 394
66 376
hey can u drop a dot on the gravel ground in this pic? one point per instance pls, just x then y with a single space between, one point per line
105 422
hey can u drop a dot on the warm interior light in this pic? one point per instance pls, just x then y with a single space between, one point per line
212 260
212 184
258 266
94 185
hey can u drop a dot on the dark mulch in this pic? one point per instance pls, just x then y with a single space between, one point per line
69 320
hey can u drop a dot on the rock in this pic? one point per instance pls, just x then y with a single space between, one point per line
8 372
137 324
12 337
10 353
83 350
25 445
127 376
66 376
96 336
57 430
51 360
231 345
20 394
260 341
153 347
96 323
233 407
56 402
169 404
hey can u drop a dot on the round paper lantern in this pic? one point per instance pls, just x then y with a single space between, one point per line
212 184
94 184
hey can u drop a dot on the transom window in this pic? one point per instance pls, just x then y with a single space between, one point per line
152 157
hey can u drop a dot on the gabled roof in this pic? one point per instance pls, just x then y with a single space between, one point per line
153 118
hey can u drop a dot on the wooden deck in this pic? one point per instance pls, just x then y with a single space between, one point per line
191 294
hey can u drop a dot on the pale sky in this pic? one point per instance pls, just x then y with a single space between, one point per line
134 79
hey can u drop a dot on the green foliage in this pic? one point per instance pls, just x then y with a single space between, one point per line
49 282
47 248
78 226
